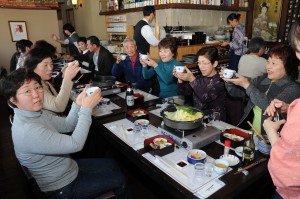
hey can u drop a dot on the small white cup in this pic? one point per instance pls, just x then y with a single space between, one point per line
221 166
144 57
91 90
227 73
123 56
179 69
75 61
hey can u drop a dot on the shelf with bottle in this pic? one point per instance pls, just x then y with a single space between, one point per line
133 6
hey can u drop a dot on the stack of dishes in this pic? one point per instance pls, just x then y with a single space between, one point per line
189 58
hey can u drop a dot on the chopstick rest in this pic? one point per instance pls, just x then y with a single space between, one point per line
245 172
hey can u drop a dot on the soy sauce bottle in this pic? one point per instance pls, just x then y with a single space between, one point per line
248 150
129 96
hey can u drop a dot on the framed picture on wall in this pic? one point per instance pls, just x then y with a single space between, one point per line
266 20
18 30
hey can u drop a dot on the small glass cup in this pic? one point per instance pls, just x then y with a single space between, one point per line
198 171
208 168
216 116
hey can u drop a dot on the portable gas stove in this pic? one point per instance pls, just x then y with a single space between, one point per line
109 90
191 139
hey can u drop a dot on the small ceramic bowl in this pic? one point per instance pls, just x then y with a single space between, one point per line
140 125
263 147
195 155
221 166
144 57
91 90
179 69
104 101
123 56
227 73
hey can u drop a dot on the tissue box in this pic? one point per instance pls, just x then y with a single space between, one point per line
236 137
160 152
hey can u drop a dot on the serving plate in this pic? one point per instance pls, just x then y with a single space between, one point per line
231 159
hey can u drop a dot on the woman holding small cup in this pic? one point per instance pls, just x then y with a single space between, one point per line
163 68
207 88
279 83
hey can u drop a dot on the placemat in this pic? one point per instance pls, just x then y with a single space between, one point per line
132 139
186 178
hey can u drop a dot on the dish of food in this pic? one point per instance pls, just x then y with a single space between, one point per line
233 137
183 114
239 151
195 155
231 159
138 113
160 143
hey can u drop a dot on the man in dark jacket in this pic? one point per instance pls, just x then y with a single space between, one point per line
102 60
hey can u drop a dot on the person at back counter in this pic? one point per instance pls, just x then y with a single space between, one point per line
143 34
102 60
129 67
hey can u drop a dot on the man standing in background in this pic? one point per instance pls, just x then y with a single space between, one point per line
143 34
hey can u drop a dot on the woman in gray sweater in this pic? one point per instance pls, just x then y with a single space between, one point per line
41 146
279 83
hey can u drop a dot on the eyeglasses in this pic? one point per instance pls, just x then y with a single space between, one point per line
28 92
203 63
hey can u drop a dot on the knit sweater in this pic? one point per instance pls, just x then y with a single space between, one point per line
41 147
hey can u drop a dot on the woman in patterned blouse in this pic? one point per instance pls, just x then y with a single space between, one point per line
238 44
207 88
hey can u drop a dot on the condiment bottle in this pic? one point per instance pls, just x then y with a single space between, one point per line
226 147
129 96
248 150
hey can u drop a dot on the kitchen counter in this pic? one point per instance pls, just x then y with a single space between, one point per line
183 50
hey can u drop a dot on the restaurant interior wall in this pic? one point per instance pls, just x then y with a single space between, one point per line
88 21
36 27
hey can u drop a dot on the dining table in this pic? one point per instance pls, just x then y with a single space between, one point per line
233 185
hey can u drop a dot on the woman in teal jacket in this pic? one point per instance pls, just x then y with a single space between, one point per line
163 68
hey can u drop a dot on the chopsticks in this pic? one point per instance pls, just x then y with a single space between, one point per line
79 78
257 132
251 165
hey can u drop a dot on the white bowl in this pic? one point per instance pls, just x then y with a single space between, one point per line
231 159
221 166
123 56
195 155
179 69
144 57
220 37
91 90
227 73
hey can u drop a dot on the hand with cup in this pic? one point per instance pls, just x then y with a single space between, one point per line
186 75
71 70
120 57
146 61
238 80
89 97
228 74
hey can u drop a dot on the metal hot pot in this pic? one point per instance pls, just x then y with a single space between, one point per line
181 125
103 81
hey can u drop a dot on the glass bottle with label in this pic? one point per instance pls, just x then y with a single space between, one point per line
129 96
248 150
